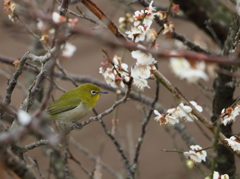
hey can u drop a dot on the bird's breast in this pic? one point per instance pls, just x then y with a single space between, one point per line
74 114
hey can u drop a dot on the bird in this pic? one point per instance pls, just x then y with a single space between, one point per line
75 104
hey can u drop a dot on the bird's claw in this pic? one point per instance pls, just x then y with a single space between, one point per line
77 125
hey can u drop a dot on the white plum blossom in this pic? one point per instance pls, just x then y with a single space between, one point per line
148 20
170 117
168 28
122 68
192 72
9 8
140 83
184 112
173 115
138 17
198 107
41 25
196 154
162 15
149 15
151 35
140 75
229 115
68 50
150 8
57 18
114 73
141 71
137 33
234 143
110 77
143 58
144 16
23 117
159 117
216 175
166 118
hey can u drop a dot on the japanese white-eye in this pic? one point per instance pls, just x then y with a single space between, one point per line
75 104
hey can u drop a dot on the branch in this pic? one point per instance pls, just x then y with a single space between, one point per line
14 163
195 112
143 131
64 7
13 81
33 145
103 17
90 156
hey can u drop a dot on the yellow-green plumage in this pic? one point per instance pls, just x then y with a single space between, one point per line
75 104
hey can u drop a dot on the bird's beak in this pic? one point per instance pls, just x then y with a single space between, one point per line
102 92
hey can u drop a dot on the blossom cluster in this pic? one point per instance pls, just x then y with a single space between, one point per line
173 115
196 154
187 69
10 7
140 31
144 66
217 175
229 115
47 32
142 22
115 72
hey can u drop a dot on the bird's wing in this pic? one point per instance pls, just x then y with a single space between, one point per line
60 106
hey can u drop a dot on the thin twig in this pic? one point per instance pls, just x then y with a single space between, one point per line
143 131
70 156
90 156
65 73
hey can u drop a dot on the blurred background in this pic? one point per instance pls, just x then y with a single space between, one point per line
153 162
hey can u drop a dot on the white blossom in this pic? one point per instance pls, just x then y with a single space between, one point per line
168 28
140 83
216 175
184 111
115 73
198 107
23 117
68 50
57 18
229 115
137 33
196 154
149 15
138 17
234 143
141 71
109 76
143 58
191 72
150 8
166 118
151 35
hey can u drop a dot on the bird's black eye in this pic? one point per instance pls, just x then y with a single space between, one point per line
93 92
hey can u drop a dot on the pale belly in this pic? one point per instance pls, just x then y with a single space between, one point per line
73 115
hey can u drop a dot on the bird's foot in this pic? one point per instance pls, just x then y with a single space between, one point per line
77 125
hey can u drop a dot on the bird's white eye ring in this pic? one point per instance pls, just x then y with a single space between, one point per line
93 92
